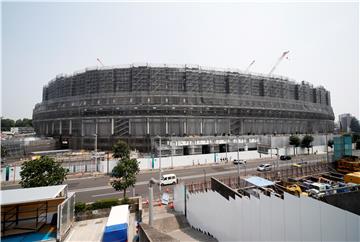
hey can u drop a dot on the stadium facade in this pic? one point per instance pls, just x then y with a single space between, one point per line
136 103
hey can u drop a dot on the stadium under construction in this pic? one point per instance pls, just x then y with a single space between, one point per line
137 103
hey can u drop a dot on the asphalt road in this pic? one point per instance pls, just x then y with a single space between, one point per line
90 189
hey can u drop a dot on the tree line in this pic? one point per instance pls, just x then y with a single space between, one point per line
7 124
44 171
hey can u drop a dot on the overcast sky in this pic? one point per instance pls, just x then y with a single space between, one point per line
41 40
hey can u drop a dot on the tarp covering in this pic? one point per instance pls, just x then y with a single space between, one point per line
259 181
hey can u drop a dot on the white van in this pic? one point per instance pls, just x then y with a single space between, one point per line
168 179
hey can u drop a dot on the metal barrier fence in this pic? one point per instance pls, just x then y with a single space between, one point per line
66 216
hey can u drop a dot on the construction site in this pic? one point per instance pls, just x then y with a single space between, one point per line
314 202
302 202
137 103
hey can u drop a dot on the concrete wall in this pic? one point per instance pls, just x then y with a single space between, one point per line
269 218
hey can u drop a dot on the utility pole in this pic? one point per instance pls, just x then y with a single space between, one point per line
327 148
95 154
226 148
172 149
204 177
151 198
238 161
159 164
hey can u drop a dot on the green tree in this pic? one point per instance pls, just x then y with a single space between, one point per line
330 143
6 124
27 122
354 125
306 142
19 123
4 152
294 140
121 150
43 171
355 138
125 173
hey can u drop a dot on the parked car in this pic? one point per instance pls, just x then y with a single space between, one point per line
285 157
299 164
302 162
168 179
264 167
239 162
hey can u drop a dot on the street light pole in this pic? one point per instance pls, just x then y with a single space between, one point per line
160 164
226 149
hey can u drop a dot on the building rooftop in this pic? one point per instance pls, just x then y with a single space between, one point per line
259 181
34 194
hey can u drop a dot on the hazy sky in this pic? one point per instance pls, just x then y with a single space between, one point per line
41 40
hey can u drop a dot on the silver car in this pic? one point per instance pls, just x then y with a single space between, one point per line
239 162
264 167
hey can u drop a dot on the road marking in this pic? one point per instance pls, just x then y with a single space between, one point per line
90 189
106 194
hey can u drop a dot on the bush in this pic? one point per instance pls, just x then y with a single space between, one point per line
125 200
105 203
357 145
80 207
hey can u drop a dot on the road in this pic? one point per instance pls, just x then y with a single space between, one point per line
89 189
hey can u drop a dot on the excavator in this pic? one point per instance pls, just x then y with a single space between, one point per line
296 190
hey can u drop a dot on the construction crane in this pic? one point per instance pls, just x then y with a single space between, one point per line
100 62
284 54
248 68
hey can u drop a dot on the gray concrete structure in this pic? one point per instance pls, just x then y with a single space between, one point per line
345 121
136 103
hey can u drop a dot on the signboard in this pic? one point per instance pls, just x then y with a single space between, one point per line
165 198
97 154
263 149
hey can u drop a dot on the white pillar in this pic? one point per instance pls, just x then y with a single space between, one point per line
112 126
70 126
60 127
147 126
82 127
166 127
129 126
215 126
201 126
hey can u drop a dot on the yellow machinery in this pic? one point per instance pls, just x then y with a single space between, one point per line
352 177
349 164
296 190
